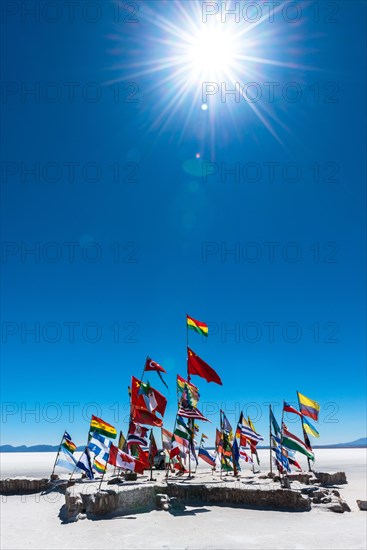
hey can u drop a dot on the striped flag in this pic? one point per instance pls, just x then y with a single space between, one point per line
208 458
247 432
102 427
187 412
198 326
245 456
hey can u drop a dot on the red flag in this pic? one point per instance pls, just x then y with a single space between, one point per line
288 408
153 365
146 397
197 366
153 449
122 460
143 416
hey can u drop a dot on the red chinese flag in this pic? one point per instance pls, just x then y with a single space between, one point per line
197 366
141 415
153 365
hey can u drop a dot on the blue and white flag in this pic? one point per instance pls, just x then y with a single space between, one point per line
66 461
247 432
283 460
99 444
85 464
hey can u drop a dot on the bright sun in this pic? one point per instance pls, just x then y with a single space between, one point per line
212 52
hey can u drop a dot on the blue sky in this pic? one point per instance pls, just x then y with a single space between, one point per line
162 235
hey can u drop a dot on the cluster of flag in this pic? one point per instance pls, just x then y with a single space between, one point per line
284 443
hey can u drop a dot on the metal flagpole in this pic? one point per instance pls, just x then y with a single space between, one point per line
58 453
281 436
303 430
271 461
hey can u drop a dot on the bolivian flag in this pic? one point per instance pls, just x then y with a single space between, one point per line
199 327
69 445
100 426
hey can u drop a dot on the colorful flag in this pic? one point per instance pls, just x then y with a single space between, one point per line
293 442
203 436
69 445
151 365
201 328
142 416
309 428
225 464
196 366
122 460
100 462
294 463
137 435
188 412
225 424
84 463
153 449
102 427
208 458
66 461
166 439
248 433
144 396
281 458
236 454
274 423
253 443
308 406
182 429
288 408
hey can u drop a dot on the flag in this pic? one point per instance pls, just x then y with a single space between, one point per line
222 447
143 457
203 436
153 449
100 462
225 465
253 443
179 446
102 427
84 463
281 459
144 396
196 365
182 429
247 432
66 435
294 463
154 366
66 461
122 460
69 445
142 416
137 435
189 393
308 406
122 442
188 412
293 442
236 454
245 456
225 424
166 439
309 428
288 408
274 423
201 328
99 444
208 458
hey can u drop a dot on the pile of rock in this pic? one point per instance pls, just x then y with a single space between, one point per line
326 498
170 504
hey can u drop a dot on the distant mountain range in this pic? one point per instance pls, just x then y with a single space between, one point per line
362 442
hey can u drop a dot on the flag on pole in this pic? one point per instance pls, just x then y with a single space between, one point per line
309 428
274 423
182 429
206 457
308 406
225 464
245 456
179 447
84 463
293 442
122 460
122 442
102 427
166 439
288 408
144 396
68 444
197 326
187 412
226 425
99 444
137 435
142 416
151 365
66 461
153 449
196 366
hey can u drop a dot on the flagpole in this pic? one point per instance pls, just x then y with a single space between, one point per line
281 436
271 461
187 352
109 451
58 453
303 431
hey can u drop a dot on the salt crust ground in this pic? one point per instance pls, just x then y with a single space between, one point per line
32 521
